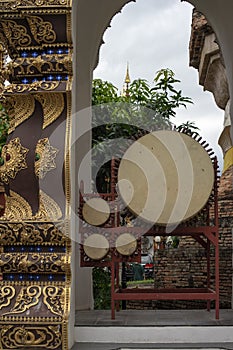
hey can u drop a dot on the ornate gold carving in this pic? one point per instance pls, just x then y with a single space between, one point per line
53 106
12 5
45 337
41 30
54 299
7 293
45 158
27 297
17 209
38 85
32 233
16 34
14 155
19 108
49 209
32 263
56 63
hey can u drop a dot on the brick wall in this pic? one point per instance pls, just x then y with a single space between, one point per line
185 266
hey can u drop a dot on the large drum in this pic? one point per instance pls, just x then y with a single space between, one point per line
165 177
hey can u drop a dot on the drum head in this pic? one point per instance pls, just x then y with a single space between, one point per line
96 246
96 211
126 244
165 177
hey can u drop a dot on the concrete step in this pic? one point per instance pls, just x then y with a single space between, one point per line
154 334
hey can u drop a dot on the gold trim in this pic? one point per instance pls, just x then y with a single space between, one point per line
47 155
41 30
7 293
38 85
14 156
17 208
16 34
27 298
53 106
54 299
19 109
49 209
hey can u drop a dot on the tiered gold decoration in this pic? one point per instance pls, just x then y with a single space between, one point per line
35 245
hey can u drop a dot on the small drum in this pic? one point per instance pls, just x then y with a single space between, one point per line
96 211
126 244
96 246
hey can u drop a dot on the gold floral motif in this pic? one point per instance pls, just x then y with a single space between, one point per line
32 263
56 63
37 85
48 210
12 5
30 234
7 293
27 298
54 299
45 337
14 156
46 158
17 208
41 30
53 106
19 109
16 34
7 236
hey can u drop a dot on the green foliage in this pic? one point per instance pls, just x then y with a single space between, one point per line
101 288
142 107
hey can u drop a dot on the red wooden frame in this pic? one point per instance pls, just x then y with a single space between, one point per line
206 236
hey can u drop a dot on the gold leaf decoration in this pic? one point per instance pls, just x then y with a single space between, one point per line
7 293
54 299
14 156
19 109
49 210
45 158
27 297
53 106
41 30
16 34
27 336
17 208
37 85
9 5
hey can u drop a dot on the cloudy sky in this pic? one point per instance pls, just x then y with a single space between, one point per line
154 34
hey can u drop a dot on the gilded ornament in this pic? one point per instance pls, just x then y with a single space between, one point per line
21 337
54 299
53 106
12 5
41 30
49 210
27 298
7 293
14 156
7 236
45 158
16 34
37 85
19 108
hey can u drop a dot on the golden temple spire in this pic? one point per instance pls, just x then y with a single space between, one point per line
125 91
127 78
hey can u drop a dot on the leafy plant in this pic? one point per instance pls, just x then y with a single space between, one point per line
101 288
